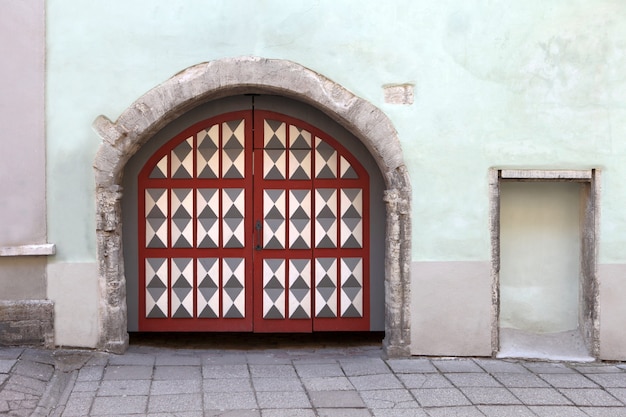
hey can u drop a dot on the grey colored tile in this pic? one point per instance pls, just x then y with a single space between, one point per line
232 413
557 411
260 358
225 371
277 384
605 411
6 365
501 366
490 396
440 397
283 400
506 411
468 411
609 380
119 405
343 412
375 382
178 360
619 393
227 385
128 372
86 386
318 370
229 400
456 365
548 368
327 384
132 359
598 368
289 412
391 412
78 406
175 403
590 397
40 371
410 366
521 380
177 372
230 358
182 386
568 380
540 396
336 399
272 371
365 366
10 353
90 373
472 380
124 387
390 398
26 384
425 381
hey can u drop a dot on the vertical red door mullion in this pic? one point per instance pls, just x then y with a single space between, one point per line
220 222
257 218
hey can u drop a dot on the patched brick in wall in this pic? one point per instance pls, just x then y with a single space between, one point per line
27 322
399 93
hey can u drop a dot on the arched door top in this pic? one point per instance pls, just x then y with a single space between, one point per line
216 79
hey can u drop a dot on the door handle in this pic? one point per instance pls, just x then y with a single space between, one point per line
258 226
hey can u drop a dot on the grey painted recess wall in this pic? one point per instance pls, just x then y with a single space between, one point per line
285 106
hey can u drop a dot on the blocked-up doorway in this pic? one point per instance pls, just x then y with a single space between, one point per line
546 253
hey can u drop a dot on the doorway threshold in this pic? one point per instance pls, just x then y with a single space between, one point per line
562 346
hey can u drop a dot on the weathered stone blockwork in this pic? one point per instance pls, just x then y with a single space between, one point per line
27 322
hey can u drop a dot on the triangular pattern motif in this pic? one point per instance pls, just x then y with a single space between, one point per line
207 152
299 219
351 230
326 218
233 287
207 272
157 295
325 287
233 209
207 218
346 172
273 288
274 219
182 217
233 155
325 160
299 288
299 154
160 169
182 287
352 287
274 150
156 212
182 160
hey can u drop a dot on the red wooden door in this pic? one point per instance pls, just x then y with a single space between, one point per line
253 221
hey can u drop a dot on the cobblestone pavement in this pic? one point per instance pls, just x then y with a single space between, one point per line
351 381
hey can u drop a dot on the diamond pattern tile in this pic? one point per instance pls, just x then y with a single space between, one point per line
160 169
182 288
156 212
325 160
233 156
346 171
274 219
208 305
233 289
207 152
325 218
299 219
352 287
207 209
182 159
182 215
273 288
299 288
233 209
299 154
351 231
326 287
156 287
274 152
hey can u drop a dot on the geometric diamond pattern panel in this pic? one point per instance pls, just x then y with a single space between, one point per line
352 287
233 157
351 203
274 219
207 152
299 219
182 288
208 304
182 159
207 209
345 170
182 214
160 169
299 154
299 288
233 208
156 287
233 287
325 160
274 153
326 218
274 288
156 214
326 287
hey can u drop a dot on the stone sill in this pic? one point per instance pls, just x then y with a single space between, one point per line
44 249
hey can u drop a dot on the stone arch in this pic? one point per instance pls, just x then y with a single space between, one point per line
216 79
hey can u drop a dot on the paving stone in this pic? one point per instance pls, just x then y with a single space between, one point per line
227 385
269 371
86 386
609 380
489 396
468 411
590 397
619 393
318 370
540 396
254 358
178 360
184 386
472 380
501 366
410 366
343 412
124 387
6 365
366 366
277 384
38 355
327 384
175 403
598 368
391 412
336 399
425 381
78 405
557 411
390 398
98 359
3 377
128 372
506 411
26 384
232 413
605 411
375 382
440 397
11 353
229 400
568 381
132 359
290 412
521 380
40 371
283 400
548 368
90 373
177 372
456 365
225 371
230 358
119 405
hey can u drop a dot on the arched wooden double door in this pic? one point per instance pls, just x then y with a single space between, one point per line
253 221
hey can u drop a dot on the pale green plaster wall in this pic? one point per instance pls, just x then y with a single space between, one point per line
498 83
